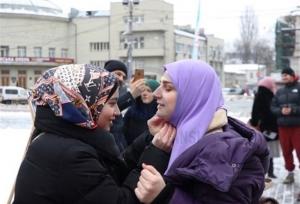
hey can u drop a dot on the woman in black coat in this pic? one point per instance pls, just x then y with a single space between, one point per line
144 108
264 120
73 158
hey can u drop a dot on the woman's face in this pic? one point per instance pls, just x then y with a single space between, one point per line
147 95
109 112
166 96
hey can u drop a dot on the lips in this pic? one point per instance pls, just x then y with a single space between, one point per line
160 105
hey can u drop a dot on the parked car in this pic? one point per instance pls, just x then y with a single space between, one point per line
13 94
233 91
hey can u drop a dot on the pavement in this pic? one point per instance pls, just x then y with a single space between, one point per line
285 194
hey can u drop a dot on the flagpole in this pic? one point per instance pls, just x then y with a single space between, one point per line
196 44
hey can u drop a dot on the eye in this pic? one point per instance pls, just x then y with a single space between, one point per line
168 88
112 102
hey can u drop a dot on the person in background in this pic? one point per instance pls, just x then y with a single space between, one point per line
286 106
268 200
264 120
144 108
126 99
74 158
215 158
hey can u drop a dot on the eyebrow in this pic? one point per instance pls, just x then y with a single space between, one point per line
115 98
166 82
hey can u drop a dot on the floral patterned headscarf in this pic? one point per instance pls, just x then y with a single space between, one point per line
76 92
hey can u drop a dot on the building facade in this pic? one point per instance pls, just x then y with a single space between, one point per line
288 41
34 38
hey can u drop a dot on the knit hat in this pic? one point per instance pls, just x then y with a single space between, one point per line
153 84
288 71
113 65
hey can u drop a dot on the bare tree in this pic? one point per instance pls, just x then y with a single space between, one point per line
263 53
248 34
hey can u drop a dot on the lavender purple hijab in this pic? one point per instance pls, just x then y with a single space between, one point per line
199 95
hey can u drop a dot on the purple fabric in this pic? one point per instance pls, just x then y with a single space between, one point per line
224 167
199 95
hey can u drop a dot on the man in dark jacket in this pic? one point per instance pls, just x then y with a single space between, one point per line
126 98
286 106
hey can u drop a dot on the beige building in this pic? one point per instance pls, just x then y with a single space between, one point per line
36 37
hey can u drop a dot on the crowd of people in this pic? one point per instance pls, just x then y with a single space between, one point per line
276 114
97 140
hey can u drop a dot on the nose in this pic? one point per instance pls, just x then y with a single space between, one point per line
117 111
157 92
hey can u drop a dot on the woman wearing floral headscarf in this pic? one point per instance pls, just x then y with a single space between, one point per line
74 158
215 158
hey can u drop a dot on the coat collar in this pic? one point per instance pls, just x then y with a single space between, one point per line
101 140
218 121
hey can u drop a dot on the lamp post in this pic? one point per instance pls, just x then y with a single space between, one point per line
130 4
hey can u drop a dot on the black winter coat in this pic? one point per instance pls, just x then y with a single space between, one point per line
125 101
289 95
71 165
261 111
135 119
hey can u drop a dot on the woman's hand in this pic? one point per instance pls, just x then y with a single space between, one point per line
165 137
137 87
150 184
155 124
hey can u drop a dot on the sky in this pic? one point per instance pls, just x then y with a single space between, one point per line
218 17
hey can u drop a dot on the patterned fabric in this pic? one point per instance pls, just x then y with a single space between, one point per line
77 92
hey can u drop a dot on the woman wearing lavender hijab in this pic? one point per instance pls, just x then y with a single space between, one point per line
215 158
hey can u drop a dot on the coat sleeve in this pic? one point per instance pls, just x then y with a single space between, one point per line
89 178
255 114
134 151
125 101
275 106
296 108
85 174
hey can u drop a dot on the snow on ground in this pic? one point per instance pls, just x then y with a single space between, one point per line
12 151
15 127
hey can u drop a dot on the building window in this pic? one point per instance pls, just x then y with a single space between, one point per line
212 52
37 51
99 46
64 53
179 48
21 51
5 77
51 52
123 43
98 63
135 19
139 64
37 74
138 42
22 79
4 51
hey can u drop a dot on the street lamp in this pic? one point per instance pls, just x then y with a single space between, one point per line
130 4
